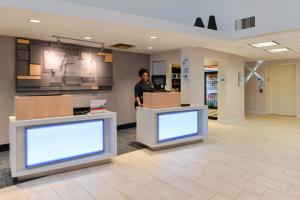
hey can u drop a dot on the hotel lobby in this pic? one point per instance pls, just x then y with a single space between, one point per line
136 100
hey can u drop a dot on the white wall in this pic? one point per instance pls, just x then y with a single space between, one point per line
193 89
230 95
171 57
257 103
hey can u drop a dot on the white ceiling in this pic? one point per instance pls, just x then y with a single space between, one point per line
14 22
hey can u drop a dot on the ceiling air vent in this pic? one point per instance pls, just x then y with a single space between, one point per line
245 23
122 46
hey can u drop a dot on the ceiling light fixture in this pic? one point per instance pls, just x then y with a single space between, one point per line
153 37
87 38
150 48
264 44
78 40
34 21
278 50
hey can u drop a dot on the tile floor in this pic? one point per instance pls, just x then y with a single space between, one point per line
126 143
258 159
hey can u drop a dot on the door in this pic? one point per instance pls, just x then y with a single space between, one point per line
282 89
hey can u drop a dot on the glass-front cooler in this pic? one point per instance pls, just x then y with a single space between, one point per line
211 89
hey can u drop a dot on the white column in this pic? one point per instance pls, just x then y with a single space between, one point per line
298 90
231 93
193 87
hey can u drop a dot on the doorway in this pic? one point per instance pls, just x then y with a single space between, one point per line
282 89
211 68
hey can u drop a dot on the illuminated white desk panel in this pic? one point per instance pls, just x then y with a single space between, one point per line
157 128
39 146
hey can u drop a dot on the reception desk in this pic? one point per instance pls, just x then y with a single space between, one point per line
165 127
42 146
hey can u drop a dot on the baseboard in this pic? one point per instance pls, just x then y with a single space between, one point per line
256 112
4 147
126 126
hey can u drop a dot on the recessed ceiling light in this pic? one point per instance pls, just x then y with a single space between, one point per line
153 37
278 50
34 21
264 44
87 38
150 48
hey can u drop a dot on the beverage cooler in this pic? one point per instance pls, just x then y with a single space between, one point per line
211 89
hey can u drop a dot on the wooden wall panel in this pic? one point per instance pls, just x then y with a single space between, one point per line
162 100
36 107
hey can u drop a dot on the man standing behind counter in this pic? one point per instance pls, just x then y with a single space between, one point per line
144 85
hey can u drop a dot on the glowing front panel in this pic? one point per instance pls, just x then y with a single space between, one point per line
177 125
59 142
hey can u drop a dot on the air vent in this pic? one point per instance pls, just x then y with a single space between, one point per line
245 23
122 46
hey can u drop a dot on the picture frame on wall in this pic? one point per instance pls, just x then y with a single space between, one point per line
159 68
45 66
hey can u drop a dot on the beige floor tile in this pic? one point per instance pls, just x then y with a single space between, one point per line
161 163
276 195
292 173
226 170
167 191
61 182
219 187
75 193
265 165
15 195
295 190
178 160
184 172
160 174
44 195
194 189
113 177
195 159
204 170
248 196
85 178
136 176
244 185
284 164
283 178
137 192
11 189
220 197
103 192
247 167
267 182
37 185
191 198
